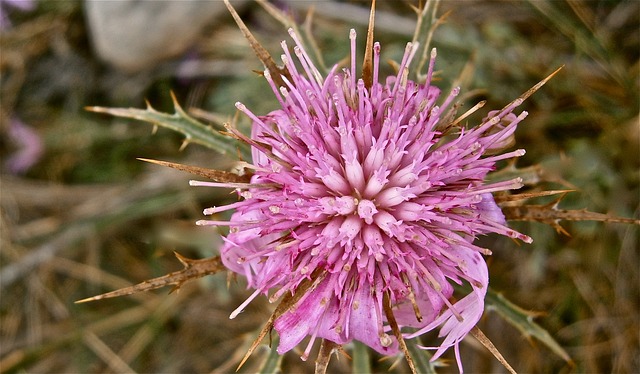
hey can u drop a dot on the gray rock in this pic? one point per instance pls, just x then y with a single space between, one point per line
136 34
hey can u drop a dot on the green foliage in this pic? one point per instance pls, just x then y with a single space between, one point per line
523 321
193 130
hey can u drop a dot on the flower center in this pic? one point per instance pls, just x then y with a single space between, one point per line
366 210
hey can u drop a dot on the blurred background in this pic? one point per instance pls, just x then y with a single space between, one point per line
81 216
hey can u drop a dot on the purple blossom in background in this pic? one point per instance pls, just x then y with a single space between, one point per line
370 193
30 147
23 5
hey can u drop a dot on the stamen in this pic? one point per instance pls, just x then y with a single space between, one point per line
352 37
231 185
432 63
240 309
316 73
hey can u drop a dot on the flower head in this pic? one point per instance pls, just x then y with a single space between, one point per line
367 194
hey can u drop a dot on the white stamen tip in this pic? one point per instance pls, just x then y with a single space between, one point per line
352 34
434 53
240 106
385 340
518 183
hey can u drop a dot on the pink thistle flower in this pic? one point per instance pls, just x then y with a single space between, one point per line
369 193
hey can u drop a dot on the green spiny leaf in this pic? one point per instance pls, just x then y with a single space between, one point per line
426 24
272 363
361 358
421 357
523 321
193 130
